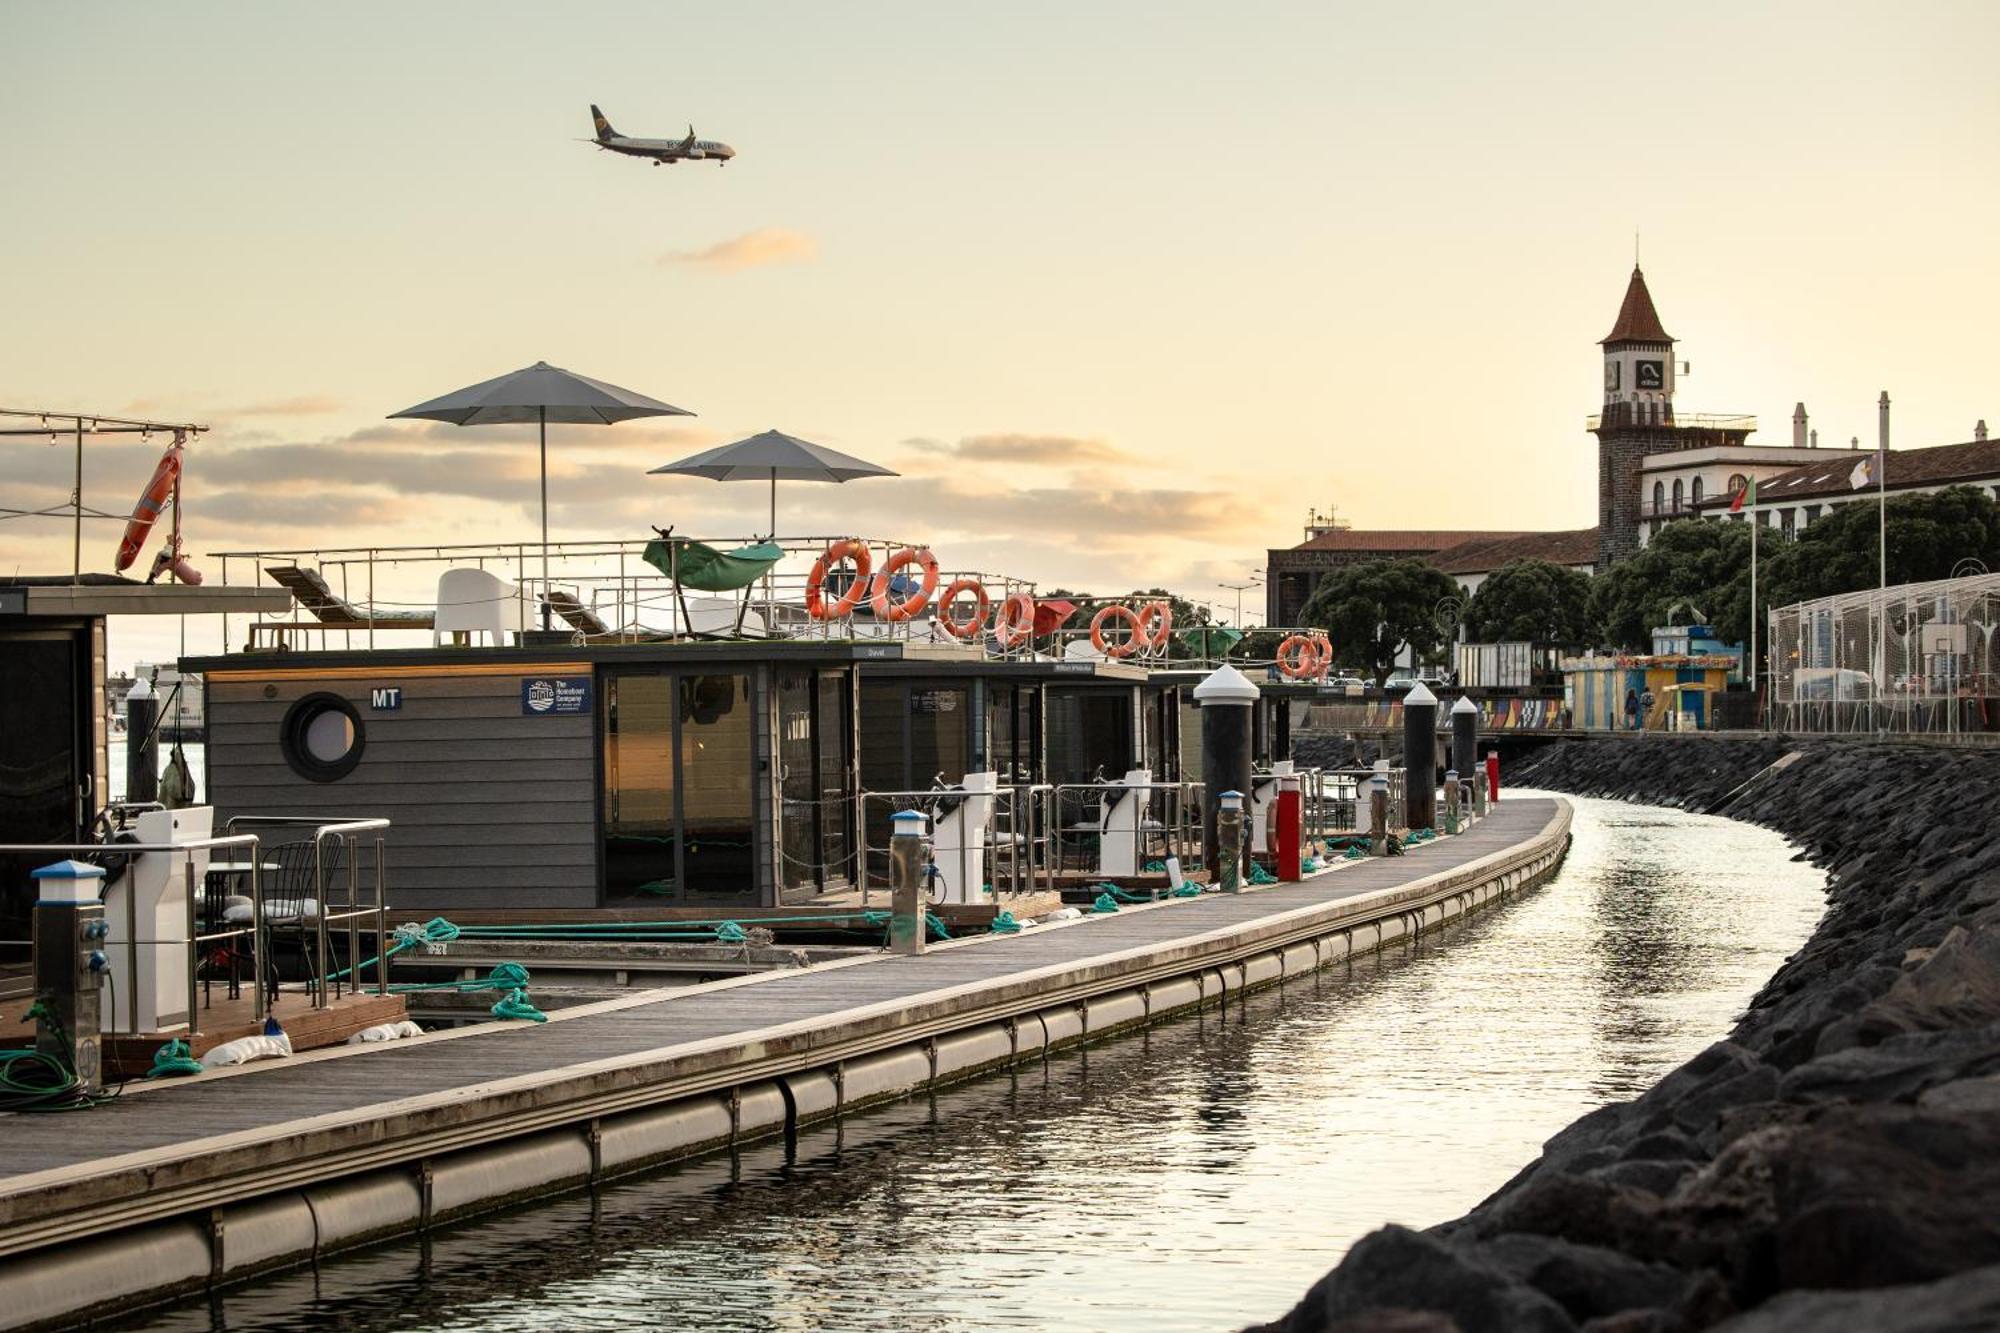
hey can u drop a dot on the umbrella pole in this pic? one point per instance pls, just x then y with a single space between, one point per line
542 420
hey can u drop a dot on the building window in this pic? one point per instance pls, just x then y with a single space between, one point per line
322 737
1812 514
1696 491
1659 496
1787 521
1677 495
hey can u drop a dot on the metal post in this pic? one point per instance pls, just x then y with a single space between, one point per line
542 420
381 924
1419 757
257 928
194 944
907 859
351 983
1229 834
318 984
1451 801
1378 811
76 498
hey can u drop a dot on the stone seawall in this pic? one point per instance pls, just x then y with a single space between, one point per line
1835 1163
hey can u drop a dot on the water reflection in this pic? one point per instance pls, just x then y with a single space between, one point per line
1193 1176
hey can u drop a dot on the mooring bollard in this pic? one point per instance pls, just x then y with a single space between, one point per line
1378 810
1229 836
1291 859
1420 716
1226 698
1451 800
142 743
1493 776
909 855
1465 736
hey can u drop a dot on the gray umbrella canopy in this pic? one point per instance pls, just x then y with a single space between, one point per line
774 457
541 393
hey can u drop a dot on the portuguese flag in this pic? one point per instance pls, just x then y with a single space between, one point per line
1746 496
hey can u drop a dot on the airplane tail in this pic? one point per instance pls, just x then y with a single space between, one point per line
604 130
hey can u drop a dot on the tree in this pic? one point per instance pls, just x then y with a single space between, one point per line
1840 552
1532 600
1703 564
1374 610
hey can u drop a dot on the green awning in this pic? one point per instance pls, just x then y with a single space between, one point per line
706 569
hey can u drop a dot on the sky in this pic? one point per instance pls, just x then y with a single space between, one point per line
1123 290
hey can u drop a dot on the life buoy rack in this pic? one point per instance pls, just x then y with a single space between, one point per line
1135 636
949 622
847 548
1161 612
1016 620
1298 657
895 612
152 501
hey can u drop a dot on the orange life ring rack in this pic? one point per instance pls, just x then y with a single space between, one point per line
1016 620
896 612
1134 640
152 501
1298 657
1156 639
847 548
951 624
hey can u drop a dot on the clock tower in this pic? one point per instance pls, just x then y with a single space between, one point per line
1638 421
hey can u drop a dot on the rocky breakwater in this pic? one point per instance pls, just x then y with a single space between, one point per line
1835 1163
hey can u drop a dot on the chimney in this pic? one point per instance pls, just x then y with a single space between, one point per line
1799 426
1979 430
1812 441
1882 422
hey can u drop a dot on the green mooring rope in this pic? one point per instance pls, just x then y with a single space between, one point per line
174 1060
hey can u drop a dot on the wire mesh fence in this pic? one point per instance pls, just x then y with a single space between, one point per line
1917 657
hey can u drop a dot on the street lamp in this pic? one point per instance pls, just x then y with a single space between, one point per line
1256 581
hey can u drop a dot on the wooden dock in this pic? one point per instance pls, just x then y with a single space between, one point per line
209 1179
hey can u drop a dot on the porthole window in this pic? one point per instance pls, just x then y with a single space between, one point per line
322 737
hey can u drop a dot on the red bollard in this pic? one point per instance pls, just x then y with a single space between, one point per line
1493 777
1289 867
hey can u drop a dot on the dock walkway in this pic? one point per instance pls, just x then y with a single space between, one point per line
191 1149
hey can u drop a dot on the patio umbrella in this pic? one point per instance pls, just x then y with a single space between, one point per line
774 456
542 393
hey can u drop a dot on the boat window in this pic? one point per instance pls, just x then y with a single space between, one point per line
322 737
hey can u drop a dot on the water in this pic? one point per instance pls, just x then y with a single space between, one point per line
1199 1175
194 751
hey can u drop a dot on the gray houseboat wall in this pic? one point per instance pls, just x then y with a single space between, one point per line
493 797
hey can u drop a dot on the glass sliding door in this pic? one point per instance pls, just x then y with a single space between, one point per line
679 797
641 827
815 747
833 737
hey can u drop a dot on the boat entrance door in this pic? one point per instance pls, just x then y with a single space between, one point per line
815 757
679 820
45 781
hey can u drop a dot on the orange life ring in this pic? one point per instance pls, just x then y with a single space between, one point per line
952 625
1156 639
1298 657
847 548
1324 645
895 612
151 502
1016 620
1134 639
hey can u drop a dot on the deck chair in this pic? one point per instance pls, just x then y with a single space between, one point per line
292 906
583 619
693 564
310 590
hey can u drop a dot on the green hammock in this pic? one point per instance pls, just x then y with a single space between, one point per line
1209 641
706 569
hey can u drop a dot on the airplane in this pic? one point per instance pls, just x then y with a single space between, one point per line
669 151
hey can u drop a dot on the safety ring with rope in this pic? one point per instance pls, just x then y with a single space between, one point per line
1135 635
846 548
896 612
1160 615
948 619
1015 622
1299 657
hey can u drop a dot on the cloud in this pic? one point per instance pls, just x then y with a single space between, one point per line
756 249
304 405
1052 449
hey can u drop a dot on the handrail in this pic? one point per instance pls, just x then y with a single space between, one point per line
337 826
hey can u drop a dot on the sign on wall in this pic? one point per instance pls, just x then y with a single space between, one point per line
386 698
548 695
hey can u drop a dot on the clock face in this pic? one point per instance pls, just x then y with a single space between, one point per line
1649 374
1612 376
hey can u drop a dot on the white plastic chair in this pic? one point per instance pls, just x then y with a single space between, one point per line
472 601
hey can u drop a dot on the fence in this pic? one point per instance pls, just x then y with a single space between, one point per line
1917 657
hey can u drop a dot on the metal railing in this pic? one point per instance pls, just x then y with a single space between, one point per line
347 831
1016 847
1664 415
1165 824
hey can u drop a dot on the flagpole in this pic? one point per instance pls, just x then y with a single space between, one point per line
1756 694
1882 535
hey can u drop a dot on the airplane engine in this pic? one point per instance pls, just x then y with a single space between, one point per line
695 155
